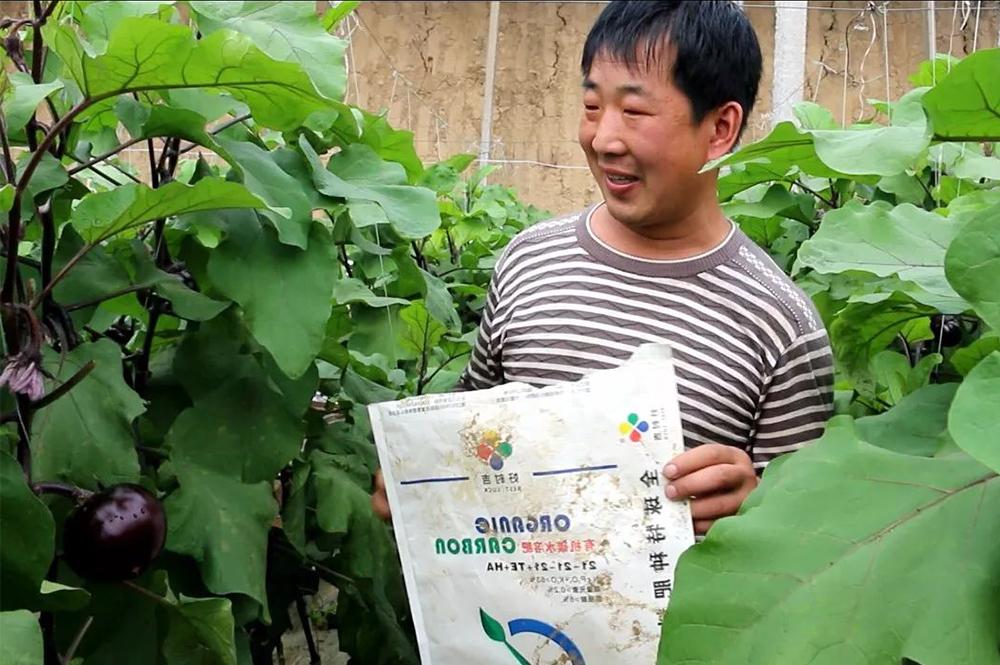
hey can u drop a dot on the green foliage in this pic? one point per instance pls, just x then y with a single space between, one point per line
213 331
885 547
873 545
22 638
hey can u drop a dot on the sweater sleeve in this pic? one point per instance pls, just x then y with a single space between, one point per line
484 369
798 400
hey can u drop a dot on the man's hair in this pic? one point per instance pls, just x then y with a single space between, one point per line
710 47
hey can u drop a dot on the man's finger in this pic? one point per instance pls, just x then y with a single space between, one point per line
701 527
380 501
707 481
703 456
714 507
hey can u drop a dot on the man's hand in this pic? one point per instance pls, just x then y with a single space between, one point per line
715 477
380 501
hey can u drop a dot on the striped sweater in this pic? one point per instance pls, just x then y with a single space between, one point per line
753 361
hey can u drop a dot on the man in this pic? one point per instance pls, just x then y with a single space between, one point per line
667 87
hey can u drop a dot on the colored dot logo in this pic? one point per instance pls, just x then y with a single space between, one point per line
633 427
493 450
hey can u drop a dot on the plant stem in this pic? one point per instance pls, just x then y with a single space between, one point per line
37 42
829 202
77 639
938 138
300 606
421 378
345 260
419 256
451 246
78 494
100 158
131 142
445 364
23 435
107 296
9 169
62 273
24 260
142 361
65 387
224 126
51 655
105 175
14 223
40 20
143 591
153 173
48 244
924 186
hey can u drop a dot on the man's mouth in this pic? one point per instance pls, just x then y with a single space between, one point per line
622 179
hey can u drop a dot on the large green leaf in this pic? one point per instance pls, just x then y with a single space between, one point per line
223 524
145 54
110 268
974 420
100 19
972 264
126 628
285 292
349 290
893 371
85 436
785 147
965 359
371 614
27 532
50 174
216 435
916 426
24 98
904 241
891 550
829 153
286 31
395 145
422 332
97 274
966 104
863 330
60 597
880 150
103 214
200 632
412 211
263 176
144 121
222 350
22 639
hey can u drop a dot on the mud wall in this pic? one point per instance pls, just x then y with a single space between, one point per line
440 47
425 63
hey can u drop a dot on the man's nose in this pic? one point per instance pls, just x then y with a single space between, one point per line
608 136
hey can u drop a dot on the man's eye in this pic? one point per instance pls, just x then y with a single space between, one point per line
633 112
590 107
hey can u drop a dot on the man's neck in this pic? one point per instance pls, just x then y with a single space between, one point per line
700 232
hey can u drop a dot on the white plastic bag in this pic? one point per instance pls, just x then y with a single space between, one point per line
532 523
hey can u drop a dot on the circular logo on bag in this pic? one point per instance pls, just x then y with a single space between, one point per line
633 428
496 632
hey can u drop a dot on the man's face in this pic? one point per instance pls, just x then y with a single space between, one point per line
642 145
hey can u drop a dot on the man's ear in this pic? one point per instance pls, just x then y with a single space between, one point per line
726 122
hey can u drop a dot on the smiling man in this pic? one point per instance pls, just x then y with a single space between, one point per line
667 87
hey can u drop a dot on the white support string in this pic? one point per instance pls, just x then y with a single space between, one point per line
975 35
885 54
